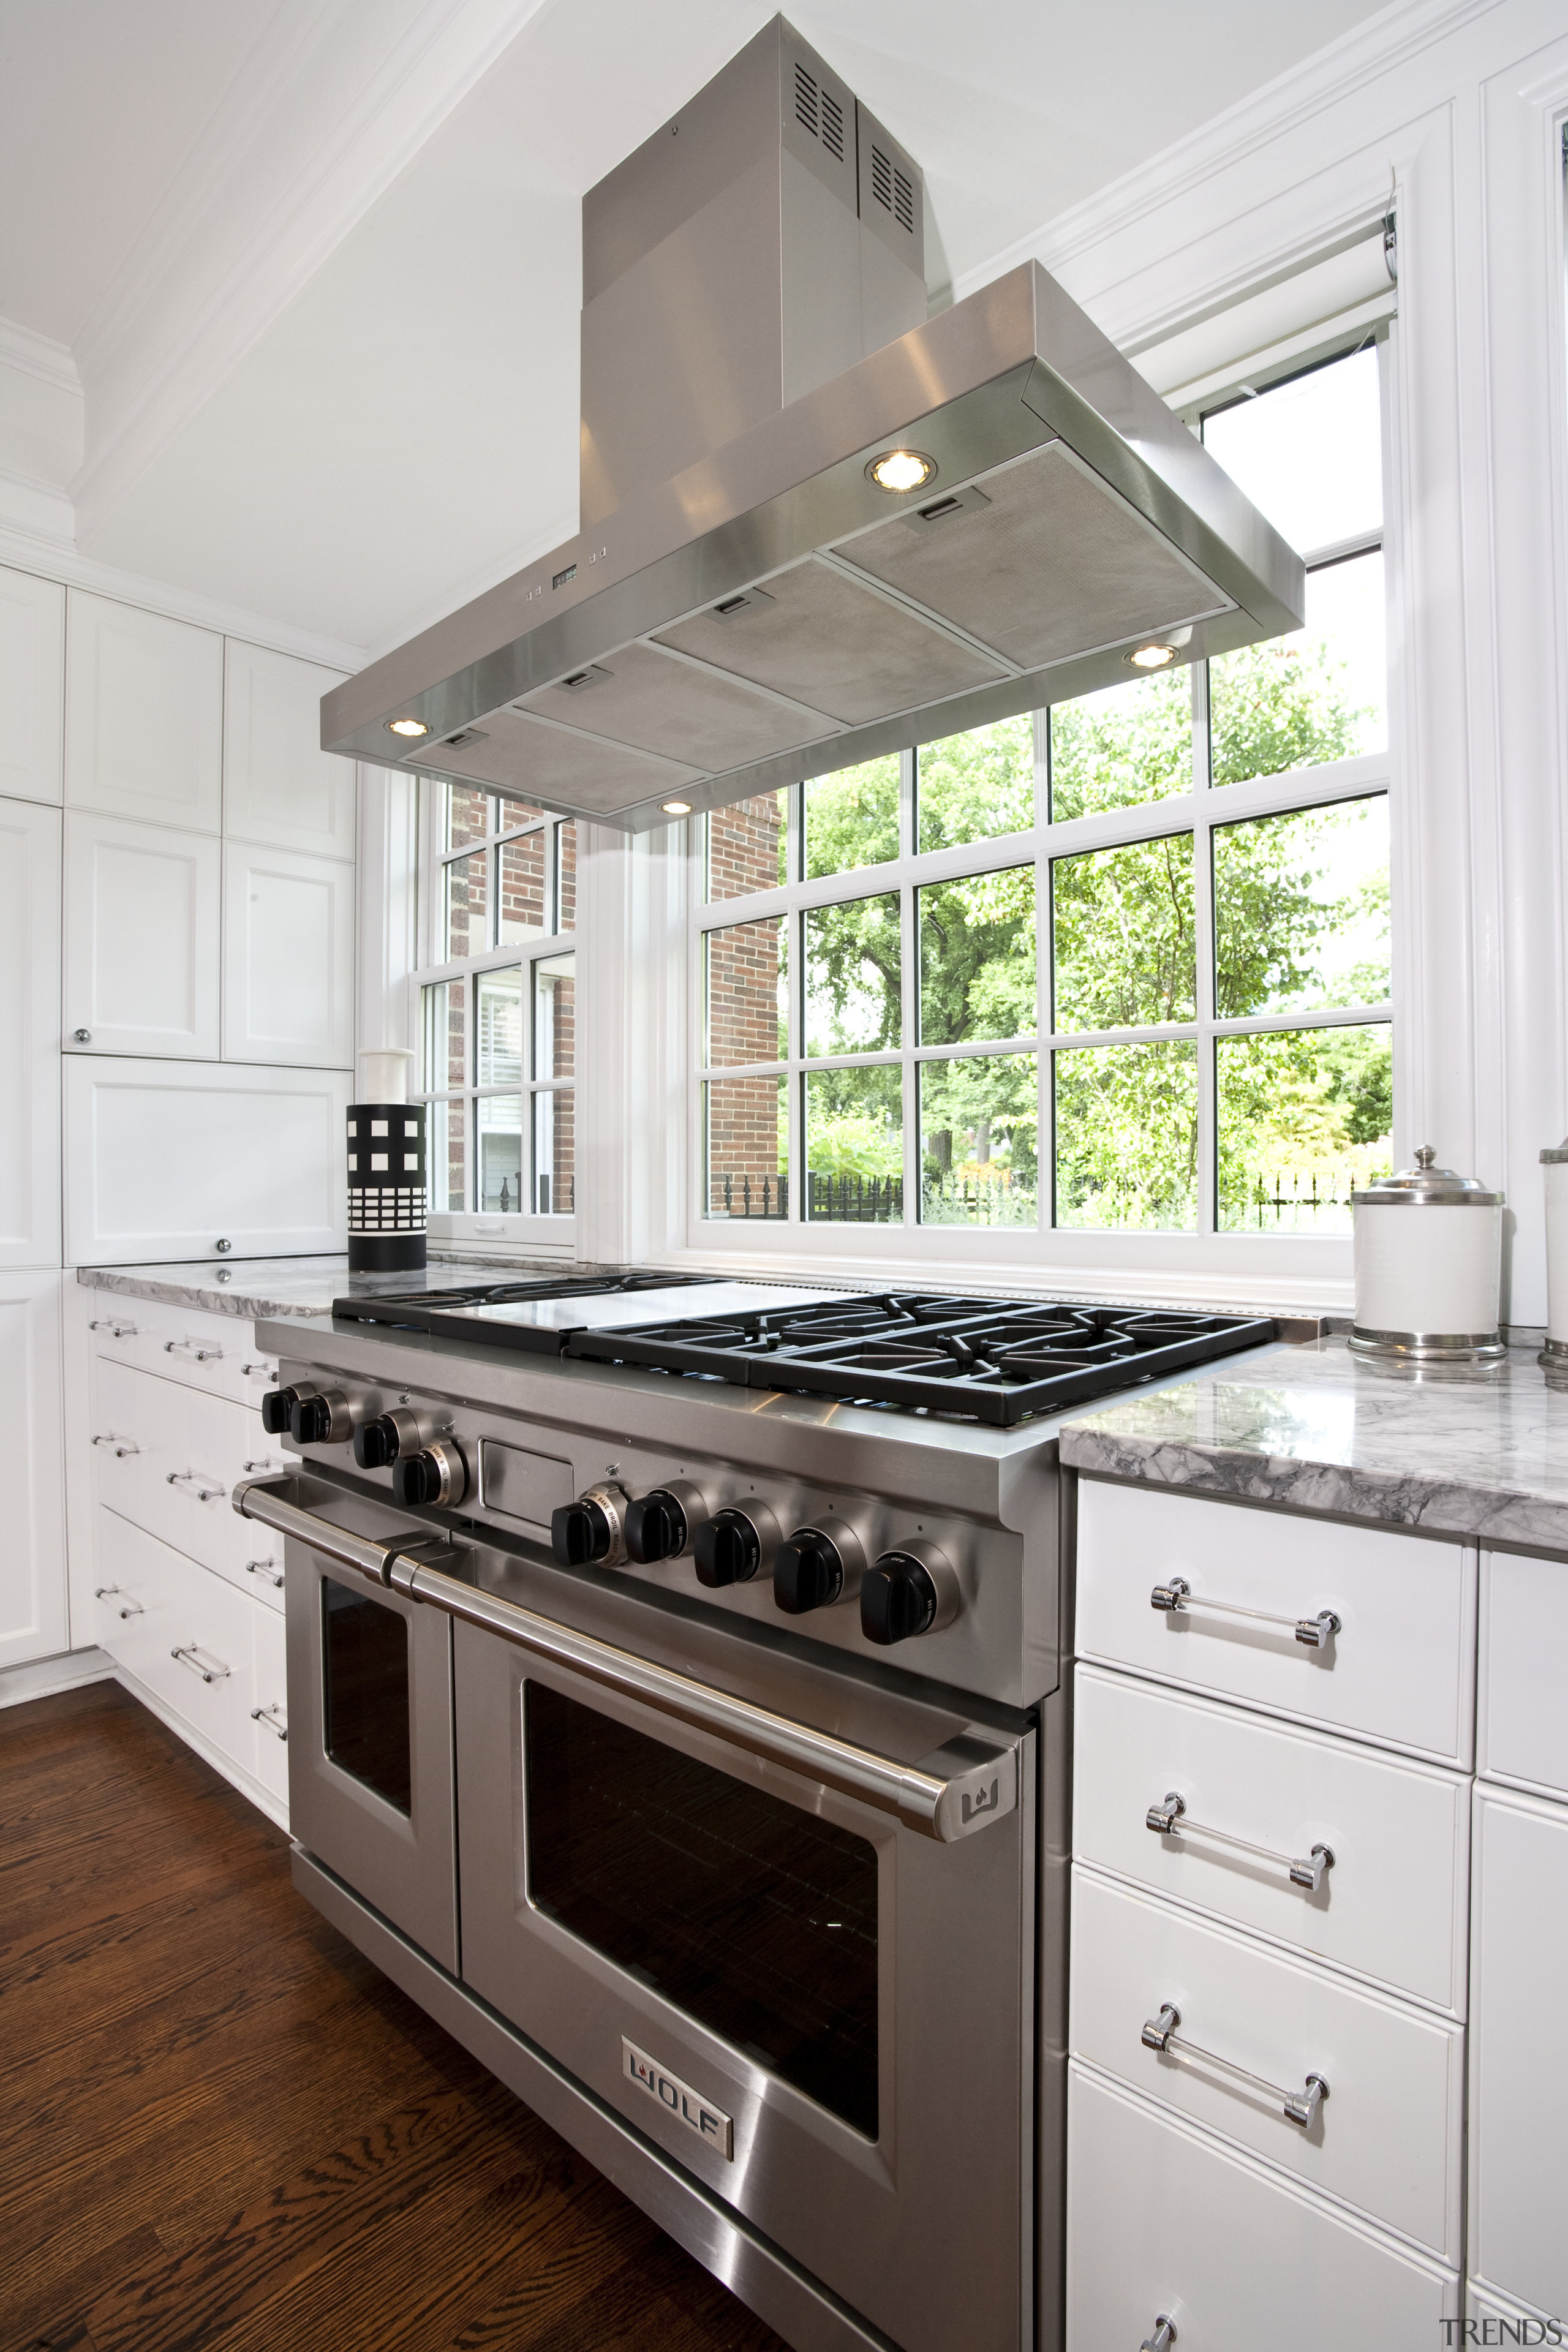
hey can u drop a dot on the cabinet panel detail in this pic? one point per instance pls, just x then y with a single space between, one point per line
32 685
280 787
143 715
29 1033
289 950
142 915
33 1607
1522 1733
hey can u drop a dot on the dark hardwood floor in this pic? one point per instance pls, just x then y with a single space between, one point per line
220 2128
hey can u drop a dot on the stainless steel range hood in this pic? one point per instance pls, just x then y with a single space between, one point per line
746 606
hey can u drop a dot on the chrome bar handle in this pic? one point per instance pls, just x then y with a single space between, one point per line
260 1371
1172 1819
1177 1597
202 1662
966 1784
122 1446
1164 2335
1296 2106
192 1482
275 1717
268 1465
112 1592
194 1350
266 1568
113 1324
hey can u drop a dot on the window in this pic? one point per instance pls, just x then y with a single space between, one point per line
1122 965
497 999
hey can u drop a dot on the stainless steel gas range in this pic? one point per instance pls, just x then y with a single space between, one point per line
679 1710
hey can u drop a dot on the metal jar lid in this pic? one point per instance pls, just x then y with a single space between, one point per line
1554 1158
1426 1187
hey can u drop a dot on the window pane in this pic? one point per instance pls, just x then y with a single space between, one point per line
977 957
446 1035
466 913
747 848
1301 910
566 877
852 818
521 865
745 993
855 1147
1319 694
973 787
1309 453
555 1017
470 814
1305 1117
746 1147
1125 948
498 1027
1123 746
444 1155
555 1152
498 1120
1127 1136
514 812
853 962
979 1120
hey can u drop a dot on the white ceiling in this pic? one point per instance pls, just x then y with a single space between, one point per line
317 261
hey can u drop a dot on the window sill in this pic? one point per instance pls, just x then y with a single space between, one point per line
510 1235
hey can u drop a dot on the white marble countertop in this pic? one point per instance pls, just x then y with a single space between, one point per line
1313 1428
256 1287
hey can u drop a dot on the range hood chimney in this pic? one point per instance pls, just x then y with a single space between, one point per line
816 525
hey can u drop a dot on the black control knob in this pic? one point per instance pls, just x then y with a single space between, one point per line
734 1545
656 1527
311 1422
807 1573
909 1591
278 1407
438 1475
375 1443
579 1532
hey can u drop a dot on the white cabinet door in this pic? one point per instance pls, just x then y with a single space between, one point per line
32 685
143 715
270 1717
1518 2056
33 1621
289 958
164 1160
142 921
1521 1731
278 785
29 1032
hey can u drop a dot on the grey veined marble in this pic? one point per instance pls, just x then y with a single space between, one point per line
1313 1428
254 1288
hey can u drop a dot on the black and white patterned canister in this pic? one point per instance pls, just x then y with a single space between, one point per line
386 1187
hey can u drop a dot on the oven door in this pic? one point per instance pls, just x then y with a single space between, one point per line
370 1724
821 2011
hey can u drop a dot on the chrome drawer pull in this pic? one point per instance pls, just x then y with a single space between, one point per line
1177 1597
193 1483
1296 2106
211 1669
275 1717
194 1350
122 1446
267 1568
267 1372
1170 1820
117 1329
1164 2335
268 1463
109 1591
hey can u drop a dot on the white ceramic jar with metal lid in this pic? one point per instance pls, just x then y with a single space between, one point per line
1428 1267
1554 1355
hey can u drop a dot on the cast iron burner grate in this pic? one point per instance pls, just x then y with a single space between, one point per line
992 1359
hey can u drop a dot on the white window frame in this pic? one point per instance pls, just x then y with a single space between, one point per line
1088 1251
549 1235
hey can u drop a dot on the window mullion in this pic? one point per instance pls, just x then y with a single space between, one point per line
909 1026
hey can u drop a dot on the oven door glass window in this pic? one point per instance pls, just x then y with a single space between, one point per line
759 1920
364 1693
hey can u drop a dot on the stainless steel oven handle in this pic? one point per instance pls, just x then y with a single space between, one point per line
969 1783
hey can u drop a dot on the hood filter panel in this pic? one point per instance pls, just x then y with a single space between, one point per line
679 711
556 765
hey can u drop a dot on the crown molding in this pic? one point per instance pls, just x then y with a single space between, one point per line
30 354
36 511
319 120
24 548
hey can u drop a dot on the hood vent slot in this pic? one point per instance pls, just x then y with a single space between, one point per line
819 112
893 190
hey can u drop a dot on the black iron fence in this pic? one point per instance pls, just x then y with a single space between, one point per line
855 1200
1292 1201
960 1200
749 1196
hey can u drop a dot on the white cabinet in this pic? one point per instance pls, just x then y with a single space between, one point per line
279 786
184 1635
143 715
289 958
270 1715
29 1032
1519 2060
214 1353
33 1618
142 917
1522 1732
32 685
164 1159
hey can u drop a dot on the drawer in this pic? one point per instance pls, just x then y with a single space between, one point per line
1398 1672
153 1603
212 1353
168 1458
1391 1907
269 1683
1522 1732
1387 2139
1162 2220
